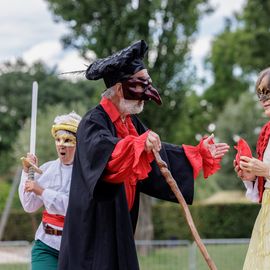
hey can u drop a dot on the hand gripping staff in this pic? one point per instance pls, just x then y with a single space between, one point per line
33 168
172 183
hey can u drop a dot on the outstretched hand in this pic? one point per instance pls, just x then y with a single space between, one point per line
217 150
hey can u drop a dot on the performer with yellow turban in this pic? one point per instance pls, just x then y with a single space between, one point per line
51 191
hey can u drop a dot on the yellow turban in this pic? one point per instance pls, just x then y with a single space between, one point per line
68 122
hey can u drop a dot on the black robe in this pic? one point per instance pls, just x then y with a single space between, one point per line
99 228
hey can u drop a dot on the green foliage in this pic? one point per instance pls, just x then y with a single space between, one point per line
21 226
239 119
195 119
15 99
212 221
4 191
204 188
239 52
168 222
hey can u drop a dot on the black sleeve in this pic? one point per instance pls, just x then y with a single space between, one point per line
181 170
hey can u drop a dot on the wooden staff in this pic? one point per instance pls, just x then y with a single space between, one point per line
172 183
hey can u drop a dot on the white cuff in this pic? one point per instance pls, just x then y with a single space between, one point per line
252 192
248 184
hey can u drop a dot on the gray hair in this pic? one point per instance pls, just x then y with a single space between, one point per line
108 93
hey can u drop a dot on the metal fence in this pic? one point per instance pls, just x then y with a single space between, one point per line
228 254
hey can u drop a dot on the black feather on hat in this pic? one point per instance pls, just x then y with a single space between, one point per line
119 66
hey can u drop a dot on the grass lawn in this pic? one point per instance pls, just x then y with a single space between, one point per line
14 267
225 257
165 258
177 258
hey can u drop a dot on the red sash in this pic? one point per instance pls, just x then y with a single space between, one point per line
56 220
261 146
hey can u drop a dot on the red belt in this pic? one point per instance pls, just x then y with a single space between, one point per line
50 230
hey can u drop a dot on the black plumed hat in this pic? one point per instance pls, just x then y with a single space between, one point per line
118 66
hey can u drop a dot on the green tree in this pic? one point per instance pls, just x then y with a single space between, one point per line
239 52
168 28
15 99
227 82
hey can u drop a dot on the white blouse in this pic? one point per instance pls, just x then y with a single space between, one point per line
252 192
55 180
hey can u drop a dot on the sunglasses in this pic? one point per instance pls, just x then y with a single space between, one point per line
263 94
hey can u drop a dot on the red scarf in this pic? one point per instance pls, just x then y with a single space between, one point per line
52 219
261 146
128 156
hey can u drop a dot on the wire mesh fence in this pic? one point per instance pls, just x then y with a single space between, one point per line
228 254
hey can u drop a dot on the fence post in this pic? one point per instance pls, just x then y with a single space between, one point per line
192 256
6 212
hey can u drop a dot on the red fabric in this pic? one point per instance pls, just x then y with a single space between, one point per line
52 219
243 149
261 146
201 158
129 162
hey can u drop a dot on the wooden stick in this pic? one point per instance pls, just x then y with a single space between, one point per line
172 183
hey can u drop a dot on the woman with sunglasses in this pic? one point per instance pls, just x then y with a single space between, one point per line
255 173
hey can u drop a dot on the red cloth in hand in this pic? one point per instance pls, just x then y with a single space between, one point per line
243 149
201 158
128 164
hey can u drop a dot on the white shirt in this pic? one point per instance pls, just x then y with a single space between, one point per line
55 180
252 192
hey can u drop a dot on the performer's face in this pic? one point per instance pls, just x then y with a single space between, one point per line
65 145
130 106
139 87
263 93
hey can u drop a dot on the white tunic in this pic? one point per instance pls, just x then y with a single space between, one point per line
55 180
252 192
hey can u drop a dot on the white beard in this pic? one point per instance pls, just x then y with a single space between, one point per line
130 106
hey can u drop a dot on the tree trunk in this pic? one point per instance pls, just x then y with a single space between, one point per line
144 229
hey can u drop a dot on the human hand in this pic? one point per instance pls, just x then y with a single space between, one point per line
243 174
29 161
33 186
152 142
254 166
217 150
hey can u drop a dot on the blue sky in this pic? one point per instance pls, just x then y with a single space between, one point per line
27 30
